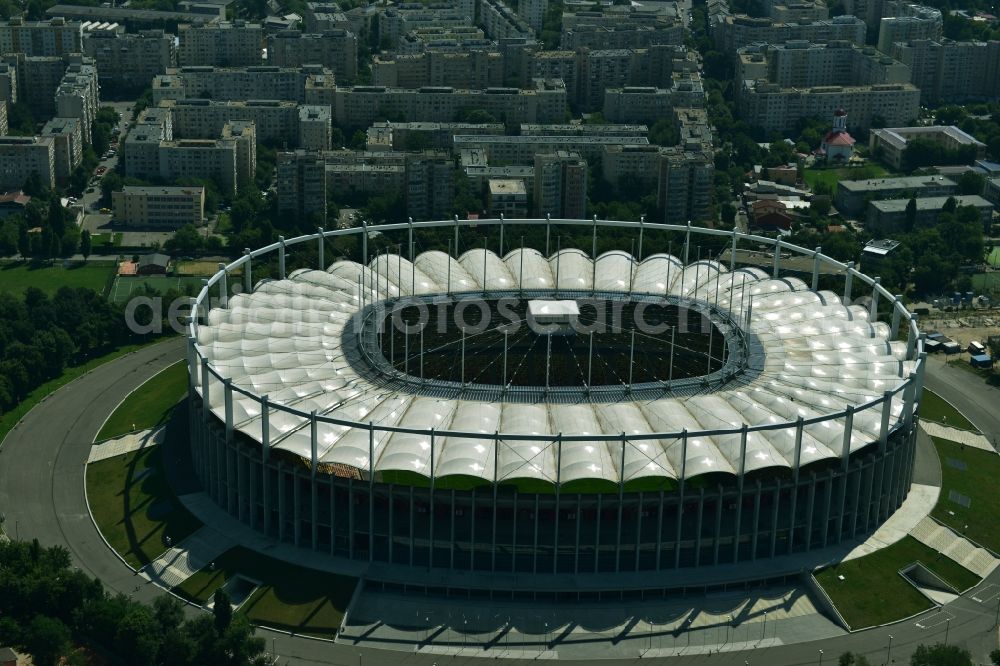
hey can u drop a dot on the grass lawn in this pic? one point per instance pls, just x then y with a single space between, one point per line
292 598
106 240
125 288
832 176
16 277
935 408
135 508
149 405
9 419
978 482
873 593
994 258
201 269
986 282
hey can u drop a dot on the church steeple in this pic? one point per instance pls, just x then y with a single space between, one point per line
840 120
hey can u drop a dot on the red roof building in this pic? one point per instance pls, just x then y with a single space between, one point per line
838 144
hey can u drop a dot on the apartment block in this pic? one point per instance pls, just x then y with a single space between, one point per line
560 185
853 195
797 11
275 120
3 118
159 206
244 134
684 185
471 69
360 106
200 158
38 78
523 149
499 21
733 32
533 12
237 83
583 130
430 185
774 108
8 82
227 44
637 164
888 144
301 179
906 22
457 37
21 156
800 64
394 22
54 37
622 36
386 136
315 127
889 216
67 134
78 94
950 71
335 49
129 61
648 104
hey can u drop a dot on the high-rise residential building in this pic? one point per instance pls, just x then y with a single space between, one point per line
430 185
523 149
301 179
275 120
200 158
78 94
360 106
560 187
67 133
3 118
129 61
244 134
8 82
646 104
733 32
470 69
55 37
778 109
22 156
684 185
37 78
507 197
394 22
238 83
905 22
229 44
315 127
947 71
500 21
622 36
533 12
335 49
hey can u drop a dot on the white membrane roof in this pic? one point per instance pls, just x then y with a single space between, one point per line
284 341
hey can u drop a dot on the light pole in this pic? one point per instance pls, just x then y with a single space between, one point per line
888 657
821 658
763 629
947 628
996 622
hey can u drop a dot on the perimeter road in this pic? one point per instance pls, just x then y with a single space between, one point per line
42 465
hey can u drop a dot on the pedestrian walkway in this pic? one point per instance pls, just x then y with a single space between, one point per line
916 507
966 437
944 540
187 558
126 444
697 624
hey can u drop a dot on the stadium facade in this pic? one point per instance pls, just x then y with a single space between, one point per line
750 417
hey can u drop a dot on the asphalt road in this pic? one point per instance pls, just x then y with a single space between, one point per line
977 400
42 494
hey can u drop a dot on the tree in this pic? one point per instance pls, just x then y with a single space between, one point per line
941 655
85 243
910 215
46 639
222 610
995 657
184 241
993 343
971 182
851 659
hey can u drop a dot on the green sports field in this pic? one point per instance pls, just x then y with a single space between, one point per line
16 277
127 287
994 258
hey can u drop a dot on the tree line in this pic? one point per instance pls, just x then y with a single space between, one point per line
51 611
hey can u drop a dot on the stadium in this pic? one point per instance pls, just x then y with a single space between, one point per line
612 423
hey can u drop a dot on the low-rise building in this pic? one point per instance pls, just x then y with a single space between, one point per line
888 144
157 206
889 216
507 197
852 196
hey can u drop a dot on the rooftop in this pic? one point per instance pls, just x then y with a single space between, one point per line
930 203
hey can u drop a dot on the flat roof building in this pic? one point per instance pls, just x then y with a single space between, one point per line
889 216
157 206
21 156
888 144
852 196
